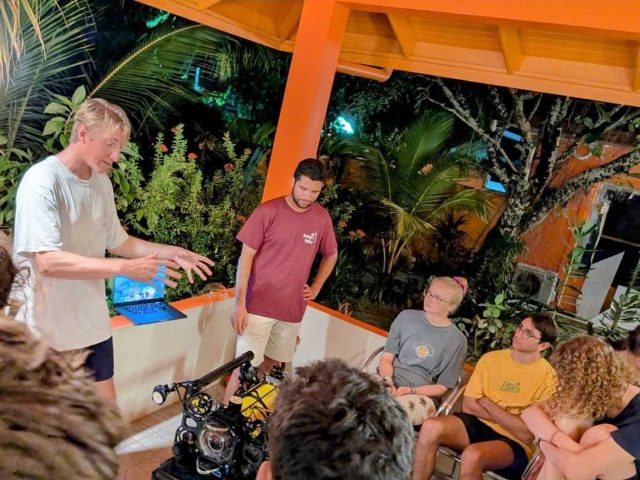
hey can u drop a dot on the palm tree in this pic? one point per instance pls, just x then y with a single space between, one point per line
54 51
145 81
13 15
417 181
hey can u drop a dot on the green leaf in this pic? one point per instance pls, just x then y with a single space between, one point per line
56 108
54 125
79 95
499 298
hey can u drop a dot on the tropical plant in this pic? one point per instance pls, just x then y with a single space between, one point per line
574 269
52 63
416 181
13 16
178 207
158 72
625 310
552 129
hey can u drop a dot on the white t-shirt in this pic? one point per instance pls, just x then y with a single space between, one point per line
56 210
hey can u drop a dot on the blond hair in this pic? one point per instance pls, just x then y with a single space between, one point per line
456 285
98 114
591 379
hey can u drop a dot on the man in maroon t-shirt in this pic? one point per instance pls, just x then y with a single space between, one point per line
280 240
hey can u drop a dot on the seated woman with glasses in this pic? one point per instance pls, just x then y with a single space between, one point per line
593 386
425 351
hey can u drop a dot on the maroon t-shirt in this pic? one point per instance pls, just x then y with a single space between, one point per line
286 243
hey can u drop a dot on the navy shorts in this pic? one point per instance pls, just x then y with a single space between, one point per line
479 431
100 360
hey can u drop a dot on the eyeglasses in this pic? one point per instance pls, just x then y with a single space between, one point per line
435 298
526 332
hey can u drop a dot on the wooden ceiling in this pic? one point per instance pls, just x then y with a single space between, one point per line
587 49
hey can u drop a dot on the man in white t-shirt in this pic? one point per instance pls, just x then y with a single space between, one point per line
65 221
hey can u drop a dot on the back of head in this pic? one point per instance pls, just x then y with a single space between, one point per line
97 114
55 425
310 168
591 378
333 422
546 325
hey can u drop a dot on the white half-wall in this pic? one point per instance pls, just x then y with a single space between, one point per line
185 349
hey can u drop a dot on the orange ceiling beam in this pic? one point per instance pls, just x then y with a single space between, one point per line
306 97
616 18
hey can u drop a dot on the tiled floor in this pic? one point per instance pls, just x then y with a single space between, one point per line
150 441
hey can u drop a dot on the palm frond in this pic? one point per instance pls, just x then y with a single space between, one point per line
470 200
379 172
65 31
14 15
159 66
405 223
427 136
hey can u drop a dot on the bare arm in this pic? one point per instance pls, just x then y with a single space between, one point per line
600 460
135 247
436 390
512 423
472 406
187 260
61 264
239 317
541 425
324 270
385 368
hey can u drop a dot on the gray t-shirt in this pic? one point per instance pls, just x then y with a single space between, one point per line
425 354
55 210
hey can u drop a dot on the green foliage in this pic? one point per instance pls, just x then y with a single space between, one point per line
13 163
51 61
574 267
416 182
178 207
625 310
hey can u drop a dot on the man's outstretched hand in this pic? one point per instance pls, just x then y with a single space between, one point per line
193 262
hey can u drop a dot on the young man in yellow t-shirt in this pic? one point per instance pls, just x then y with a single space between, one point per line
489 432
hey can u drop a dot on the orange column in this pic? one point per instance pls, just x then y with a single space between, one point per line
313 67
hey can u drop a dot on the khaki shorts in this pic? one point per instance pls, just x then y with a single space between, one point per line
418 407
268 337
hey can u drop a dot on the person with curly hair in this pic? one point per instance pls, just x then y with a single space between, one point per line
425 351
53 422
594 386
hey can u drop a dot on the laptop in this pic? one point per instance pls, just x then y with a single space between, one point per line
141 302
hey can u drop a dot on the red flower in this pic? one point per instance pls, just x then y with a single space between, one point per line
174 130
342 224
163 148
360 233
352 234
229 166
192 156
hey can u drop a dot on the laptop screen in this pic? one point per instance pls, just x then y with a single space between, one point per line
127 290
